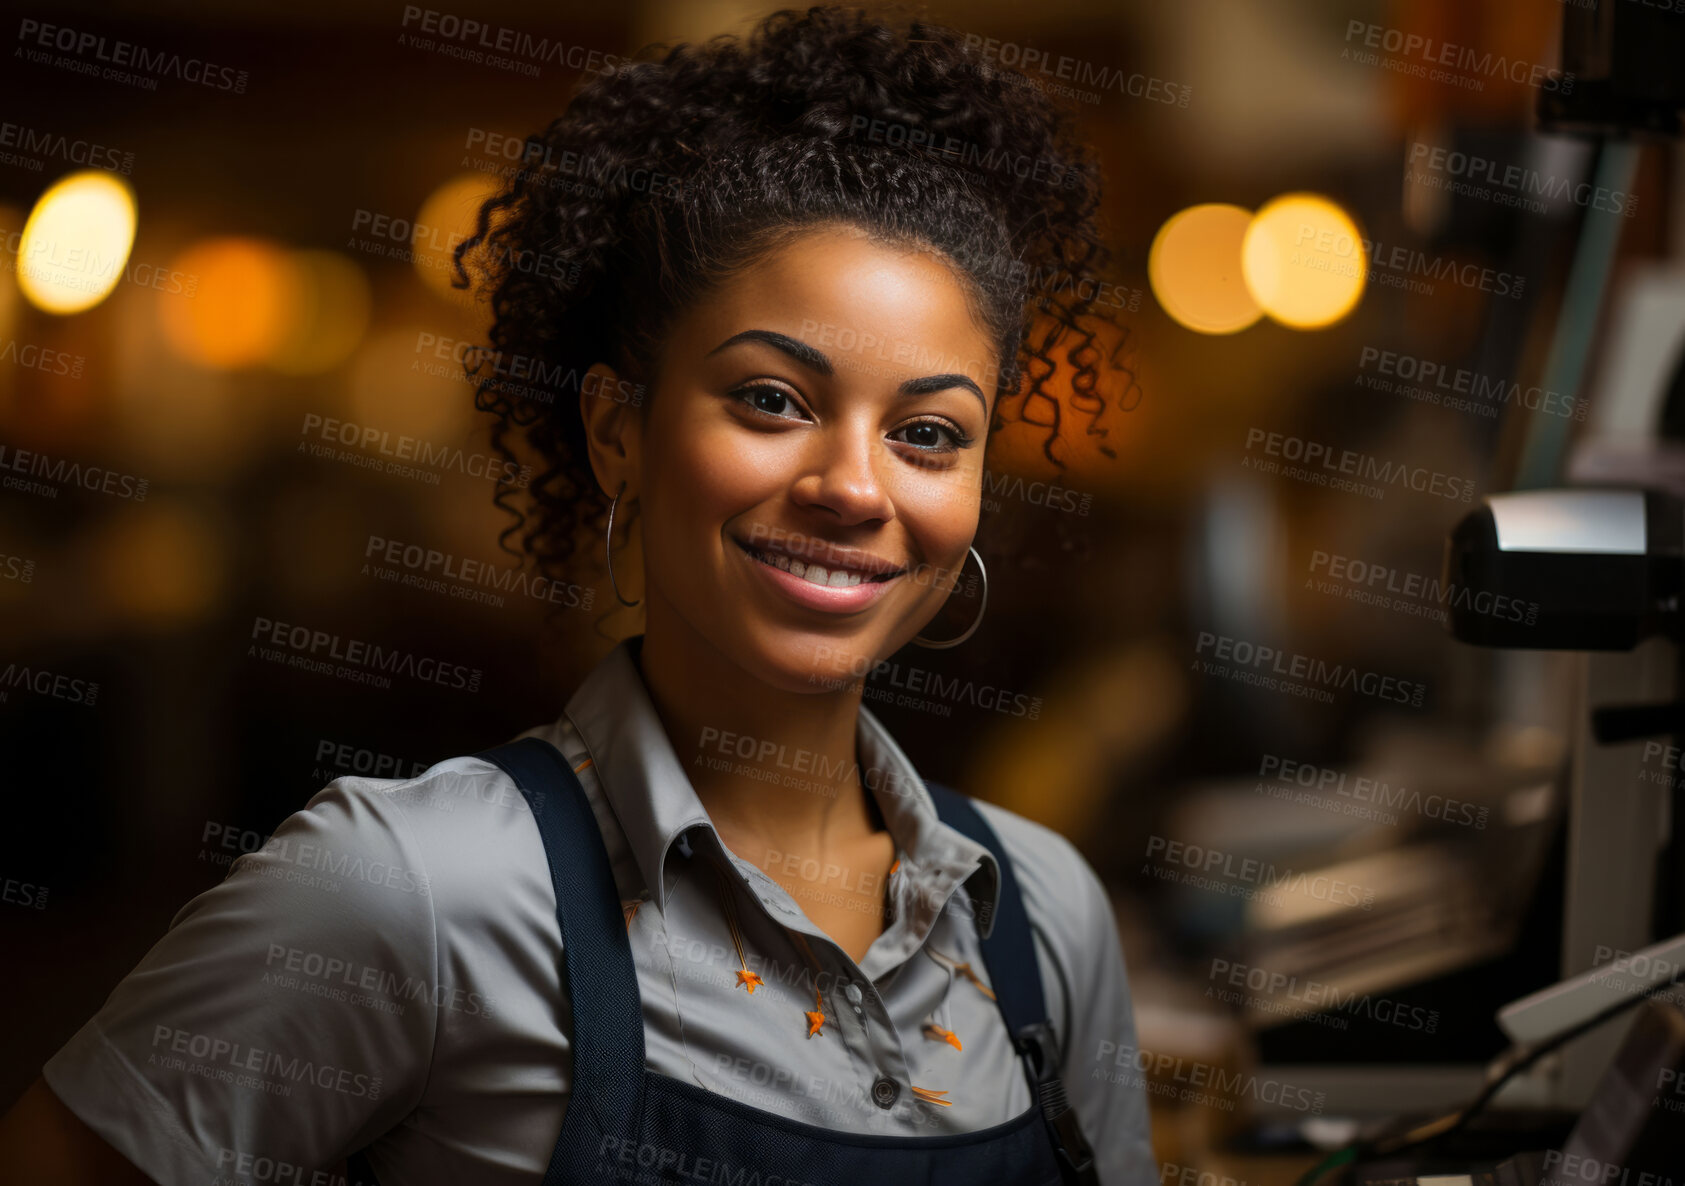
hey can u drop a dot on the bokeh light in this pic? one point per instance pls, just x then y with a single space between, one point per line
1194 267
245 296
1304 261
76 242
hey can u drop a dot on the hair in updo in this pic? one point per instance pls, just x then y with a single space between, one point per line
665 176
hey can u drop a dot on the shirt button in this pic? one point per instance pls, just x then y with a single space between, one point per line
884 1092
852 992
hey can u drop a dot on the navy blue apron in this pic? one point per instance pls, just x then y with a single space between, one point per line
625 1122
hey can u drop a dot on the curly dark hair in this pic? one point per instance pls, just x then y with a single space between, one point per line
663 177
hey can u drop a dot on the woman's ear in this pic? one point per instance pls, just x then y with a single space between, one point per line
612 409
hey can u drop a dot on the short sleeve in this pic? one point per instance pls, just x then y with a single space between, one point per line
1084 980
1102 1017
284 1015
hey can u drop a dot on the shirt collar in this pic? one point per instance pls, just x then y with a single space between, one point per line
654 801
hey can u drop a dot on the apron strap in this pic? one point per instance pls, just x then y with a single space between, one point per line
1010 954
602 982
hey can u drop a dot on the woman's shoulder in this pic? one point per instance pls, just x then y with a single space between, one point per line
462 825
464 791
1063 896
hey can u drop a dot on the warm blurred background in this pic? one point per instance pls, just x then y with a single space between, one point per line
282 227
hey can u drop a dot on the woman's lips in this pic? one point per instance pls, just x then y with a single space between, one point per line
838 599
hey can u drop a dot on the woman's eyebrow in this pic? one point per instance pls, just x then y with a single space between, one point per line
816 360
931 383
812 359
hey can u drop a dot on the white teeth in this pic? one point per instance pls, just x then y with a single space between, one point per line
813 574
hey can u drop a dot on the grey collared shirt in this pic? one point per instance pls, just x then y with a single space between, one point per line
386 969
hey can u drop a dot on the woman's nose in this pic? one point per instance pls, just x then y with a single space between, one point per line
843 475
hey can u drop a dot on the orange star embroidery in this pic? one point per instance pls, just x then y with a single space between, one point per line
745 977
932 1030
932 1097
816 1019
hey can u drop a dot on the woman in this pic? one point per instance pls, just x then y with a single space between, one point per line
709 924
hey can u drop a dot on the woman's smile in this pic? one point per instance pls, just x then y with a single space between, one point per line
847 582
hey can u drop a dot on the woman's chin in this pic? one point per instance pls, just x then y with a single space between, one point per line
806 664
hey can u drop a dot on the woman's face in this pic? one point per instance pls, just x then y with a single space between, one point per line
810 467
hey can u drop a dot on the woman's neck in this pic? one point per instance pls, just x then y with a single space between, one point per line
776 771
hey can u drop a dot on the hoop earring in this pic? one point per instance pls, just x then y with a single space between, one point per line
608 549
982 608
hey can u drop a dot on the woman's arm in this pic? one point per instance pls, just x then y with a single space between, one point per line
44 1143
1086 985
282 1017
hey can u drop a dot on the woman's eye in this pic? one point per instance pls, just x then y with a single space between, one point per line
931 436
770 400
